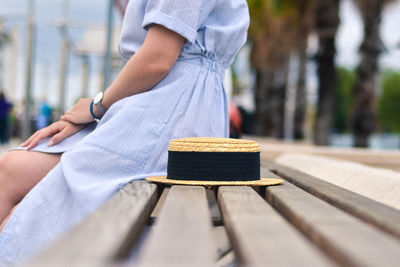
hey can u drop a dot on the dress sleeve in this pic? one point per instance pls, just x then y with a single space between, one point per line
184 17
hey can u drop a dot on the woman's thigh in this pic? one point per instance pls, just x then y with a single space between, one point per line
21 170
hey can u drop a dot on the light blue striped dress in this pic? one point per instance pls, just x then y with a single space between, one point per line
131 141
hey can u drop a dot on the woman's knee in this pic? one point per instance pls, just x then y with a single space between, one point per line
7 166
20 171
8 176
11 164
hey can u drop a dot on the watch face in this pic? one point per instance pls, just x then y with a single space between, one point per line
97 99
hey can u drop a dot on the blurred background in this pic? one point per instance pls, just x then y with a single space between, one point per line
325 72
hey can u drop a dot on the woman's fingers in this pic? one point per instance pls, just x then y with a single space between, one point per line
38 133
80 113
68 117
57 138
67 112
46 132
24 144
78 118
60 130
72 118
64 133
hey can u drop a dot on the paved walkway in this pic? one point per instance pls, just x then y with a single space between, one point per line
388 159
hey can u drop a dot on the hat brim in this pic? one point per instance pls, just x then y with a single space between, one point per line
260 182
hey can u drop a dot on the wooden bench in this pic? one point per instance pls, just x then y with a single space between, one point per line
303 222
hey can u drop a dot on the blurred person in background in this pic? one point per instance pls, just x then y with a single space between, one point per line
5 108
235 121
43 116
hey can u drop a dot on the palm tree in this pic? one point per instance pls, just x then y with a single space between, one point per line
305 22
326 23
273 29
364 113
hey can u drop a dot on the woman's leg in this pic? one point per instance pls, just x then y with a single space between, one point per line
3 224
20 171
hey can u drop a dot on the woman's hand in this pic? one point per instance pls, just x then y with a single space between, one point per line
60 130
80 113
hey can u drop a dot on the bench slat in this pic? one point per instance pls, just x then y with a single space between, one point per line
222 243
212 204
260 236
181 235
159 204
106 234
213 207
382 216
348 240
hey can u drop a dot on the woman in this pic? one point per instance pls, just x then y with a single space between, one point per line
171 87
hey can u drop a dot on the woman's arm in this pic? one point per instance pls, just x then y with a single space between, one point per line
149 65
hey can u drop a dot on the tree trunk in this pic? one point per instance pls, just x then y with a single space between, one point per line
301 97
364 113
270 101
327 22
306 13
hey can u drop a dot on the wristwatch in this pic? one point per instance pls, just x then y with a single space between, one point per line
97 102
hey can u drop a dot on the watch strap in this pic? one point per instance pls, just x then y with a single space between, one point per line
97 119
101 108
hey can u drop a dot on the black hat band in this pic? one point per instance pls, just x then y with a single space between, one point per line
214 166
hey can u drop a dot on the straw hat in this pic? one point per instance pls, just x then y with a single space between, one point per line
211 161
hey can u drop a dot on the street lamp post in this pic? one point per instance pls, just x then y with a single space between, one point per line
29 70
64 58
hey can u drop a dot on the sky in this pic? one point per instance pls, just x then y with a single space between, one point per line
93 13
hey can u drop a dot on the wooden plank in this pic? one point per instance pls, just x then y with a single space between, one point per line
222 243
160 203
227 260
260 236
213 206
375 213
345 238
108 233
181 235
